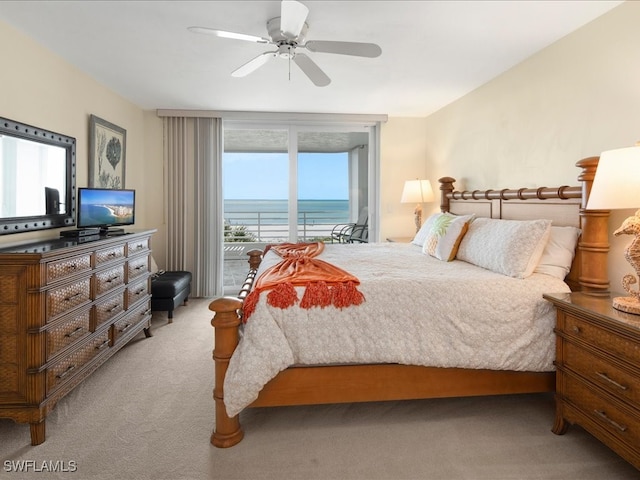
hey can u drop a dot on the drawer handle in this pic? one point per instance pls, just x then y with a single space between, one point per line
69 369
606 377
576 329
603 415
76 331
71 297
139 246
140 267
139 291
112 254
102 345
123 329
73 266
115 307
113 279
146 312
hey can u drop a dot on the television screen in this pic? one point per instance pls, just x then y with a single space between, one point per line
104 207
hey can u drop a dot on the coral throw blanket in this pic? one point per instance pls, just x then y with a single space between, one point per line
324 283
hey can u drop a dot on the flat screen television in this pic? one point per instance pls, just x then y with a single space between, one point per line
103 208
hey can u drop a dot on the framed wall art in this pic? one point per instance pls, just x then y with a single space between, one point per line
107 148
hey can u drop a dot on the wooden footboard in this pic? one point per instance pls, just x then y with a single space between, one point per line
304 385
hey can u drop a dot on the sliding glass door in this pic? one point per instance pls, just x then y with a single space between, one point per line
291 182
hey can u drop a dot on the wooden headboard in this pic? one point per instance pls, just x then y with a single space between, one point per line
564 206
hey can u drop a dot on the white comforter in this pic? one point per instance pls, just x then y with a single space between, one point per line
418 311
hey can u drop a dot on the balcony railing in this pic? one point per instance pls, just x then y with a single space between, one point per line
271 227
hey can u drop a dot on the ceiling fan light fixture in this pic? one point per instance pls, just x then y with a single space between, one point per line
287 33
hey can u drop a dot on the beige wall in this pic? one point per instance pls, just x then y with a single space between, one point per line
528 127
41 89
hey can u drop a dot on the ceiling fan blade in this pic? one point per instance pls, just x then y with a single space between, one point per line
292 17
232 35
253 65
357 49
311 70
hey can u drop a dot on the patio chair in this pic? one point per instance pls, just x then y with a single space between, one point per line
357 232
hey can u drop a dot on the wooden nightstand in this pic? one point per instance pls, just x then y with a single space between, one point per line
399 239
598 371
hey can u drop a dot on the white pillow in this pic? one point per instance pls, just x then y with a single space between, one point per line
509 247
445 235
424 230
559 252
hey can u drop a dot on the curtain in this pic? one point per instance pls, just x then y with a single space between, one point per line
193 186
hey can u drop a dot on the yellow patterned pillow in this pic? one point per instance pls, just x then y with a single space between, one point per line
445 235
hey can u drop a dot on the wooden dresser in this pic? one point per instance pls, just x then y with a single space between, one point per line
66 306
598 376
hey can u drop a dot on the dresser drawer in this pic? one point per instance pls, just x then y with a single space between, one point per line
137 291
71 330
133 318
109 279
63 370
137 267
108 307
62 299
610 342
137 246
109 254
623 424
61 269
616 381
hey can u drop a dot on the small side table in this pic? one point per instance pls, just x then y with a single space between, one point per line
598 371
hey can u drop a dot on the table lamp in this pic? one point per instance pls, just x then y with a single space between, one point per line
418 192
617 186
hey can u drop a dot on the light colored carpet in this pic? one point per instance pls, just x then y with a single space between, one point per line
148 413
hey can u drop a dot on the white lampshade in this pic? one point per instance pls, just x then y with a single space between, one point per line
417 191
617 181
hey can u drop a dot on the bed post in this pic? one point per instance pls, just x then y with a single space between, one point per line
594 242
226 320
446 186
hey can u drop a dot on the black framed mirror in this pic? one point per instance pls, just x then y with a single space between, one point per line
37 178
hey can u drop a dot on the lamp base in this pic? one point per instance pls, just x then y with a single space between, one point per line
627 304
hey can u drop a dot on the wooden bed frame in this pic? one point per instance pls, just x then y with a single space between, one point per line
309 385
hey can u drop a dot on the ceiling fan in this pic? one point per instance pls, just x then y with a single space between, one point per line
287 32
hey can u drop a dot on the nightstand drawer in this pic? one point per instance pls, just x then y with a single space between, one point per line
616 381
605 340
621 423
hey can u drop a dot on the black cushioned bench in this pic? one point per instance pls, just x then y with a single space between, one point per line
169 290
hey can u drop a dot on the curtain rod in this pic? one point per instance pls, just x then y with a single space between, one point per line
281 116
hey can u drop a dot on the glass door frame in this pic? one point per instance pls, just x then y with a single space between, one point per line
293 127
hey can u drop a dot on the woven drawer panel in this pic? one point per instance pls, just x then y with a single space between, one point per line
137 291
109 254
603 339
134 317
69 332
619 423
108 308
69 266
63 299
72 363
138 267
137 246
108 279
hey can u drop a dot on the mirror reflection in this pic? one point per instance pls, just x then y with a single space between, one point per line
32 175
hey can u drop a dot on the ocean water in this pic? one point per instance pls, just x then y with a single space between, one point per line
274 212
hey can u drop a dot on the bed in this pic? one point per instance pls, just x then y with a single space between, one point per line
367 351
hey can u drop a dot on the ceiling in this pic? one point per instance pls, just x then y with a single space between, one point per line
433 52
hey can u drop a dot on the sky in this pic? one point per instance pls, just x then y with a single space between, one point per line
321 176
